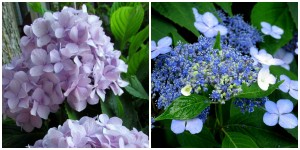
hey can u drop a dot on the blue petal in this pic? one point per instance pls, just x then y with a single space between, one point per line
178 126
288 121
270 119
271 107
284 106
194 125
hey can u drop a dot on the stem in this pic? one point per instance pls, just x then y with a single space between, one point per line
220 114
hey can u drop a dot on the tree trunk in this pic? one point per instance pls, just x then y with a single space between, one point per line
10 33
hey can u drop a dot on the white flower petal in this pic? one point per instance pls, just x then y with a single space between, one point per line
271 79
194 125
262 78
271 107
178 126
209 19
186 91
284 106
270 119
164 42
288 121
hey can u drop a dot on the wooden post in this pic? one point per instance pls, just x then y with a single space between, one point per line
10 33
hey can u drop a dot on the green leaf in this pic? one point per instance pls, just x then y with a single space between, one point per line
115 105
218 42
293 132
136 59
136 89
70 112
237 140
37 7
278 70
130 117
138 40
293 8
276 14
14 137
226 6
204 139
251 124
180 13
116 5
161 28
125 22
254 91
185 107
105 108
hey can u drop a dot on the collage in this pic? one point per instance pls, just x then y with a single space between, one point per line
150 74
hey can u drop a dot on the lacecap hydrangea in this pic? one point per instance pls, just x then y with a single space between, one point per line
241 35
218 74
65 55
98 132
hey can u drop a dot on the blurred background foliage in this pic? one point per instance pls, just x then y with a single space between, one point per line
128 34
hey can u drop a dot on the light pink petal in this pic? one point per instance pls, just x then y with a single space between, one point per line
54 56
36 121
59 32
74 34
44 40
36 70
39 27
43 111
48 68
58 67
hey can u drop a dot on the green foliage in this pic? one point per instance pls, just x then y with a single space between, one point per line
254 91
125 22
293 8
278 70
186 139
237 140
136 59
276 14
218 42
136 89
70 112
138 40
180 13
37 7
185 107
226 6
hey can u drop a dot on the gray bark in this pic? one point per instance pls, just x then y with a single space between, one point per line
10 33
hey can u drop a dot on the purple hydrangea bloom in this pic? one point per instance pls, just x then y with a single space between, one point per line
65 55
98 132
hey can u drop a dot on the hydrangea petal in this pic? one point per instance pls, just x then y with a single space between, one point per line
294 93
200 26
288 121
284 106
271 107
223 30
194 125
164 42
36 70
277 30
285 86
209 19
270 119
266 28
39 56
178 126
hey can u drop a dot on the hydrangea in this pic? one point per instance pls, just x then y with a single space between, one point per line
248 105
280 113
271 30
98 132
241 35
285 56
289 85
218 73
162 47
65 55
